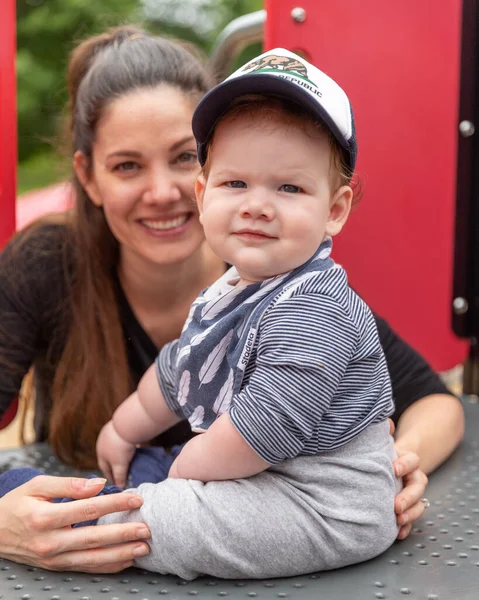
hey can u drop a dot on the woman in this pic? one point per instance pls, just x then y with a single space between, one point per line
88 300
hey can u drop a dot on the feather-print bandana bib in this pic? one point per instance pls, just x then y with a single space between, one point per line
219 336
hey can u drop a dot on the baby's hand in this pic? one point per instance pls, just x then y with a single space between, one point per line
114 454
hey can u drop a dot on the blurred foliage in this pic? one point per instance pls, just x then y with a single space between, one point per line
46 33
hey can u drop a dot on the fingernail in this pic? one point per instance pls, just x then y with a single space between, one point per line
402 506
96 481
143 532
404 519
399 471
141 550
135 502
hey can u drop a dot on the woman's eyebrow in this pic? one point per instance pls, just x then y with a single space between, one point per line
132 153
188 138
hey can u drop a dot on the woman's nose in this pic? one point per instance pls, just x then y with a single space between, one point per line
162 189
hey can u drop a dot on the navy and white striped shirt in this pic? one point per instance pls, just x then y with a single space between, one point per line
295 360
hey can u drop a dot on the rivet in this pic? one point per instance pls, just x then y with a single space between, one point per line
379 584
379 596
252 594
466 128
447 546
460 306
193 593
133 591
451 563
422 562
269 584
435 554
298 14
405 591
163 592
432 597
462 555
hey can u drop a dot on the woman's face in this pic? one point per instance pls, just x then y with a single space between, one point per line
143 171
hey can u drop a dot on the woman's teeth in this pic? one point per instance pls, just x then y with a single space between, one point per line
165 225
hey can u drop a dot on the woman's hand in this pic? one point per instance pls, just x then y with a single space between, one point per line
37 532
408 504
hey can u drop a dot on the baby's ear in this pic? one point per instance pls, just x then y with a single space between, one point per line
339 210
200 191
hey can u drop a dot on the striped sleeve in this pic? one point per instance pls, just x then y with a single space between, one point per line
165 365
306 343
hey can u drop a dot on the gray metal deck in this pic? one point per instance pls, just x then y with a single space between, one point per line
439 560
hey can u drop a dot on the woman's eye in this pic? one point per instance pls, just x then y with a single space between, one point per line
235 184
187 157
290 189
126 166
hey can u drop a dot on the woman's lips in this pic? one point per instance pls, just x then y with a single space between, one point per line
167 227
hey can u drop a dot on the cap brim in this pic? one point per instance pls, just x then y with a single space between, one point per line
217 101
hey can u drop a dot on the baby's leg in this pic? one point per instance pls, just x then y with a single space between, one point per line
309 514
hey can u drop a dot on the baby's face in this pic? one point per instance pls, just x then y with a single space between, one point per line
267 202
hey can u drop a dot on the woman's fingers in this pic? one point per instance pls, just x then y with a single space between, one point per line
404 531
90 509
93 537
49 487
405 463
411 514
100 560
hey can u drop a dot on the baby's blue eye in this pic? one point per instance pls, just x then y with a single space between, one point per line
290 189
236 184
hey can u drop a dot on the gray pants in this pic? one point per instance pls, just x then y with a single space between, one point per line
307 514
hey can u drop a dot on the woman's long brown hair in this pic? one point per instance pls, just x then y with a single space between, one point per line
92 376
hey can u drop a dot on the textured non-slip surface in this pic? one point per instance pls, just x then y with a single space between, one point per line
439 560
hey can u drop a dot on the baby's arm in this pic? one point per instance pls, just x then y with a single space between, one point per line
142 416
219 453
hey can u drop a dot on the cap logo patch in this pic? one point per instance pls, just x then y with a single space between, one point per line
283 66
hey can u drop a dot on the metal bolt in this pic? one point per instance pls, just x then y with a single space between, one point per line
460 305
466 128
298 14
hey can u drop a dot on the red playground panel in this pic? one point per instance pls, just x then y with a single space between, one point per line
399 63
8 120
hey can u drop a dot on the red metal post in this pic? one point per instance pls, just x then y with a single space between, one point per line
8 120
399 64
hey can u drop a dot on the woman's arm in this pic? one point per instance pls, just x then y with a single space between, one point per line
37 532
430 423
432 428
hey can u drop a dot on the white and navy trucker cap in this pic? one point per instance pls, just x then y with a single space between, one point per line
282 74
